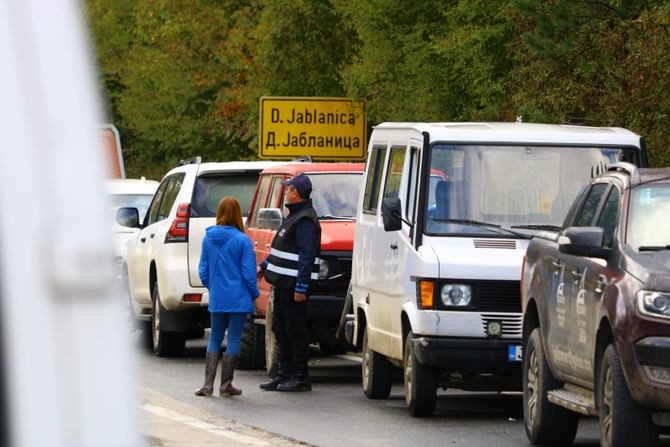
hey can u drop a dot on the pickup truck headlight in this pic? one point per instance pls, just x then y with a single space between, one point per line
456 294
653 304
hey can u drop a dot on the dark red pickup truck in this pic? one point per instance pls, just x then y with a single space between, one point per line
596 302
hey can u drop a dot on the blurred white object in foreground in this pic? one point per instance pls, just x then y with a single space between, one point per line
66 367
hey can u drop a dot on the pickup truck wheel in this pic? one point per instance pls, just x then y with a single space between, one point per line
420 382
166 344
271 353
252 345
545 422
377 373
622 420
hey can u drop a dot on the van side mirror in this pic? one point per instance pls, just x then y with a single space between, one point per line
391 214
128 217
583 241
269 218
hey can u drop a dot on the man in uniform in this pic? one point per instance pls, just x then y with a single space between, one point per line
292 263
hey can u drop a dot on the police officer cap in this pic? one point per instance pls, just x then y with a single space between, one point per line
300 182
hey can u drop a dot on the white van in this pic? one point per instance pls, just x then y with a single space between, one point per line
442 227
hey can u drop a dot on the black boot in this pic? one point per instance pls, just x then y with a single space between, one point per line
296 383
228 365
211 361
273 383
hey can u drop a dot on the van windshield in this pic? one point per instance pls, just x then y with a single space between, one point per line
335 194
509 186
648 217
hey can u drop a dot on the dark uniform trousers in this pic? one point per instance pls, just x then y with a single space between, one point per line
289 324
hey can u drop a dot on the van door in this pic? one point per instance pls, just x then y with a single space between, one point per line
259 236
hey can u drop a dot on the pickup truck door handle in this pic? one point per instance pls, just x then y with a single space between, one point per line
601 283
577 274
394 246
557 265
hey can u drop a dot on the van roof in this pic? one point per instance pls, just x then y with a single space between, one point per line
234 166
516 133
297 168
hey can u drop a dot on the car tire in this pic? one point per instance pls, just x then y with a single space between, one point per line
165 344
270 352
420 382
623 421
545 423
377 372
252 345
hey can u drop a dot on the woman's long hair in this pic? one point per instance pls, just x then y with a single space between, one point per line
229 212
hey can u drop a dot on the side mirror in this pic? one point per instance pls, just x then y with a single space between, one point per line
391 214
269 218
583 241
128 217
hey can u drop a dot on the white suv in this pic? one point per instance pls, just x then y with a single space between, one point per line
161 262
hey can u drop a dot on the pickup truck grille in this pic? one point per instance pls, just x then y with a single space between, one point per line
499 296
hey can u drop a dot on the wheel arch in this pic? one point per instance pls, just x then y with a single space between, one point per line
604 337
361 324
531 319
153 277
405 327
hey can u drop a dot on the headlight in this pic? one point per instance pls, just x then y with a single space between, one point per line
456 294
324 269
654 304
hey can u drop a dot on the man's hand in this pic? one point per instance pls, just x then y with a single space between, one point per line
259 273
299 297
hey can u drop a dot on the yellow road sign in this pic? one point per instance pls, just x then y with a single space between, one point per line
323 128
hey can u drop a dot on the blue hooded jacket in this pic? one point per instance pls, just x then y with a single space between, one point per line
228 269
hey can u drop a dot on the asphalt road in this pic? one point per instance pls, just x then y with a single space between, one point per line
337 413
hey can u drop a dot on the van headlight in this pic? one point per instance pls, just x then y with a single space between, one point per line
456 294
653 304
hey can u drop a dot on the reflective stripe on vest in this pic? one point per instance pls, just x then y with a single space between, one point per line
286 263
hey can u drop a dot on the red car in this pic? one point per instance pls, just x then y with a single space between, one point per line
336 188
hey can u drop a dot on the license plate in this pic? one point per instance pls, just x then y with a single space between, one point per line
514 353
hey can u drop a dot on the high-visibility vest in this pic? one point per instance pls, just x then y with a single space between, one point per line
282 268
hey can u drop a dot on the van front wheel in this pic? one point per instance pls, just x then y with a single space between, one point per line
420 382
377 372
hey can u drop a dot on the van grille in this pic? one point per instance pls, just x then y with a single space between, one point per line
511 324
499 296
495 243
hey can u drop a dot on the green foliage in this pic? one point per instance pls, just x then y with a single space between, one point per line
185 78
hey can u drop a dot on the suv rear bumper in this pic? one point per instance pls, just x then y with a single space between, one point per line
465 355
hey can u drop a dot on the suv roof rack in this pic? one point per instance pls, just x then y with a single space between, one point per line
626 168
303 159
190 161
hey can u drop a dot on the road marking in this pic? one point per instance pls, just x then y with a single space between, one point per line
202 425
353 358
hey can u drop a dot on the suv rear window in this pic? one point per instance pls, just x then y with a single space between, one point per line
210 189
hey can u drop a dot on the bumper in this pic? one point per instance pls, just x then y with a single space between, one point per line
324 312
467 355
649 375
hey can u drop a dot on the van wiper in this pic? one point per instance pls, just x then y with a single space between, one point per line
484 224
329 216
653 247
538 227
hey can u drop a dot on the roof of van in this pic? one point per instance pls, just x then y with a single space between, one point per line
237 166
297 168
516 133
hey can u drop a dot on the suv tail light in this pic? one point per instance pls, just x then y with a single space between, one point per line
178 231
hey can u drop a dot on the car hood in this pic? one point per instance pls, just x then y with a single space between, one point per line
652 268
337 235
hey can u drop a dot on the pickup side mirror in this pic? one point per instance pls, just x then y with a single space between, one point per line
128 217
583 241
391 214
269 218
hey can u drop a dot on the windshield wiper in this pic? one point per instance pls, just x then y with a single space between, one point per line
329 216
653 247
538 227
484 224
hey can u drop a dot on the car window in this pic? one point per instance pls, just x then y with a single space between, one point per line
394 172
609 218
139 201
211 188
156 202
275 193
411 183
591 203
336 193
261 198
171 192
373 182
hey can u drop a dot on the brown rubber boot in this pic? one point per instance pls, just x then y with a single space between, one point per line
228 365
211 362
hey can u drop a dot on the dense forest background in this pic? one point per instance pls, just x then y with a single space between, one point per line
184 78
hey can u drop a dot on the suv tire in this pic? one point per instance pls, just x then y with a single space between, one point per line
252 345
377 372
166 344
622 420
420 382
545 422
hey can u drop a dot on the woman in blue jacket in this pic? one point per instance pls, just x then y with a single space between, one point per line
228 270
